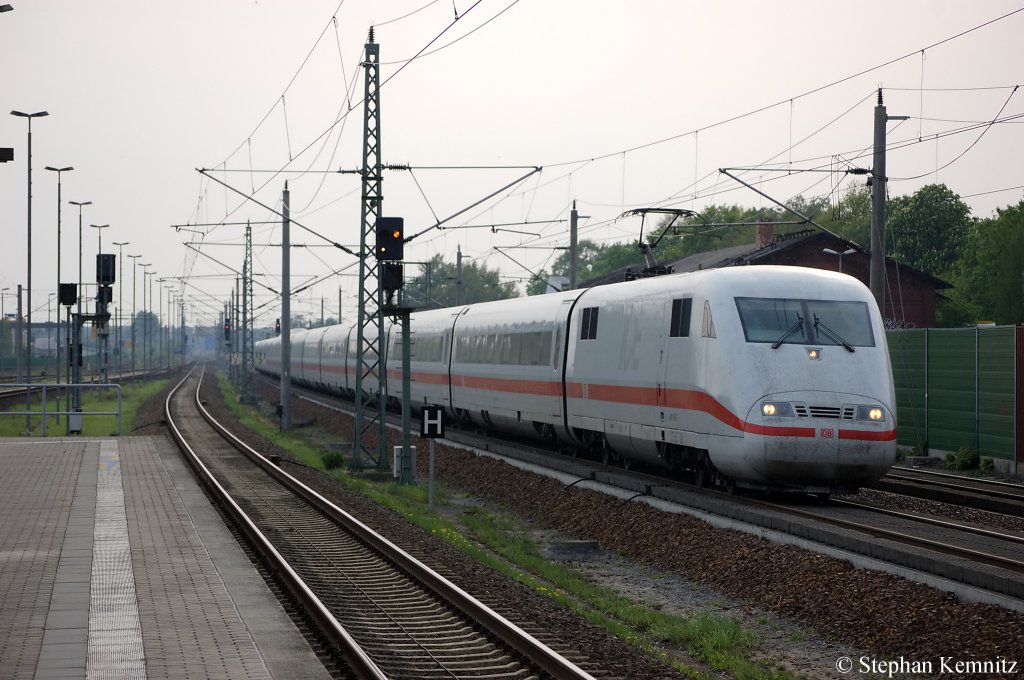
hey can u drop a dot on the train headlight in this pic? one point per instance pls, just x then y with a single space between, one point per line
872 413
777 409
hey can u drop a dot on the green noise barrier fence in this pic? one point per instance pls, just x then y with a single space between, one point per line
959 387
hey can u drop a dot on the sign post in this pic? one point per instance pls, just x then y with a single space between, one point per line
431 427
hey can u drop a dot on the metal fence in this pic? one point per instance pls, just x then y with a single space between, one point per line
75 417
957 387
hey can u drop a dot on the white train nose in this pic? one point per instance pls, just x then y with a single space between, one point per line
827 440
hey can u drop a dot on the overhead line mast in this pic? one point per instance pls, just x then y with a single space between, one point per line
248 314
370 325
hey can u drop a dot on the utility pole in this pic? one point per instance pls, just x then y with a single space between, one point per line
878 194
370 323
286 314
247 317
184 331
458 275
574 251
233 348
427 304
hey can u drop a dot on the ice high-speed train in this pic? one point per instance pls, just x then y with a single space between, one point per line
765 377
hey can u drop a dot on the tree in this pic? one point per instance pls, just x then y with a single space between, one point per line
852 218
927 229
589 253
989 278
479 284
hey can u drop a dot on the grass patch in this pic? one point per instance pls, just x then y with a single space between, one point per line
133 396
505 545
717 641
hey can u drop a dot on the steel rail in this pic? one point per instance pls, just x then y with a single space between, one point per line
960 551
935 473
361 664
934 521
1019 496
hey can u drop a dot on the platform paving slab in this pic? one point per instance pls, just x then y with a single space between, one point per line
114 564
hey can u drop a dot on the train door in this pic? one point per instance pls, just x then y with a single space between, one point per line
676 369
558 350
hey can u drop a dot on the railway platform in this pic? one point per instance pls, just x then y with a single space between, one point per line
114 564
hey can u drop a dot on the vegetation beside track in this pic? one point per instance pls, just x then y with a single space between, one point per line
134 394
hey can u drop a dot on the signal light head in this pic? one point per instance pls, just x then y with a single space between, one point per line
390 239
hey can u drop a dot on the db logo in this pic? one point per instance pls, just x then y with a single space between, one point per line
827 433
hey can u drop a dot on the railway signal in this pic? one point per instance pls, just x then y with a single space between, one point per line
390 238
227 332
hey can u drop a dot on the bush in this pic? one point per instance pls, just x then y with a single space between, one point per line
332 461
966 458
987 465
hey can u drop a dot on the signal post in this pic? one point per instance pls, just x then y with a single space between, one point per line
390 251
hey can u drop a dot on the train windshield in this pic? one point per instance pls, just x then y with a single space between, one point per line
805 322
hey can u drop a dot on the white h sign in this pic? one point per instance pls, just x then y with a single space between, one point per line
432 422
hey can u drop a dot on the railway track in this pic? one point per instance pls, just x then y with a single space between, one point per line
389 614
954 550
1001 549
981 494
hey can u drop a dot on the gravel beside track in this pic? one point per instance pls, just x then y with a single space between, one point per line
848 609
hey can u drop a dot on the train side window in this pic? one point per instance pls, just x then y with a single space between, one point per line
588 330
679 326
558 347
708 327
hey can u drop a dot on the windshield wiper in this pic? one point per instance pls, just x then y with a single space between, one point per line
792 329
832 334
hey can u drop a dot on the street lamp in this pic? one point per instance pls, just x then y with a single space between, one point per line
120 302
28 319
145 317
169 328
135 269
81 293
848 251
149 330
49 335
99 236
59 346
3 319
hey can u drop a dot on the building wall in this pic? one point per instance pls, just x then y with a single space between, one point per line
910 299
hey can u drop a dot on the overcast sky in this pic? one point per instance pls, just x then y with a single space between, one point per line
624 105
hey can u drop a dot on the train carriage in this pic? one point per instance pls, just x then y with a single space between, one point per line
333 357
773 376
307 354
429 356
506 365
